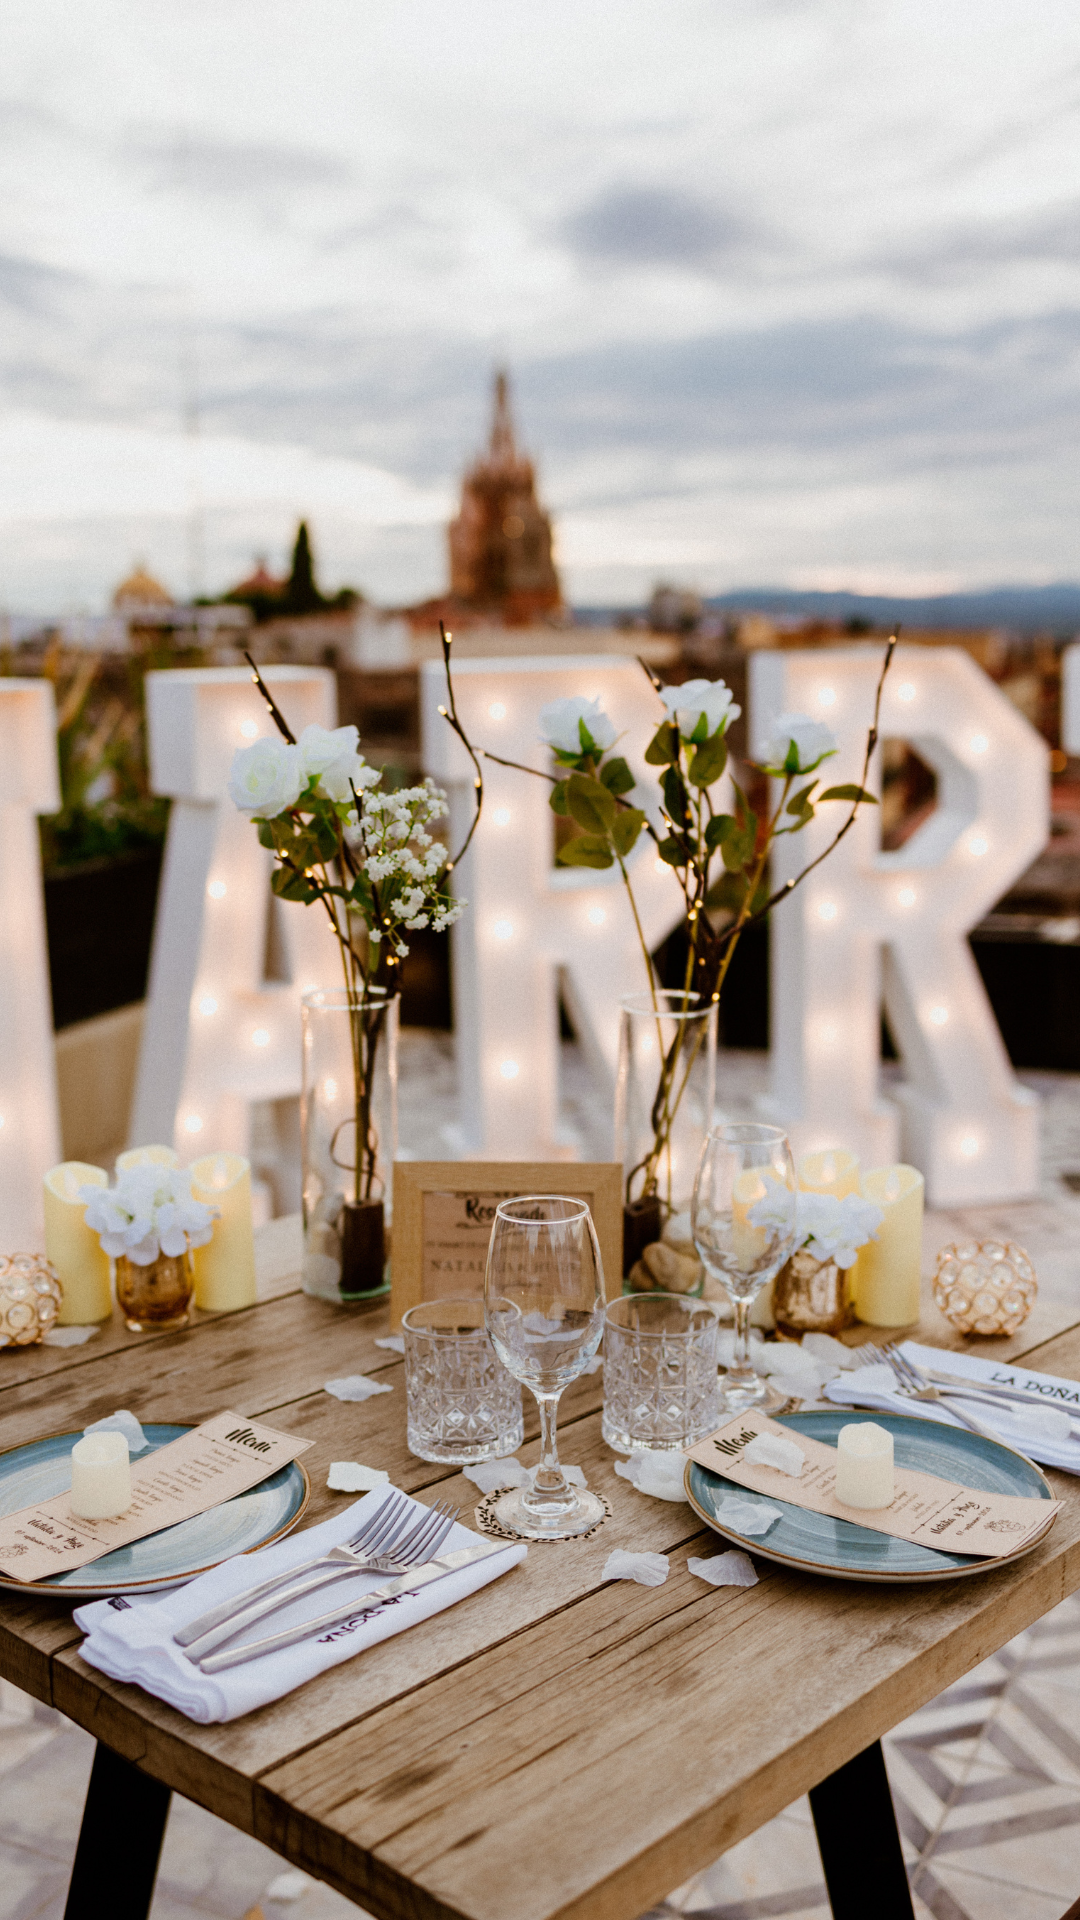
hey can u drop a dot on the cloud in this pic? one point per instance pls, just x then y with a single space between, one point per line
181 162
654 227
1050 236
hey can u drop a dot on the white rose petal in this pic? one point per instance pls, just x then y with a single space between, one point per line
797 744
711 698
560 725
266 778
323 747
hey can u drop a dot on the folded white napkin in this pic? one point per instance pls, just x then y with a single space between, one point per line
871 1387
132 1639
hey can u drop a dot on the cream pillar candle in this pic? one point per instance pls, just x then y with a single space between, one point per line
82 1265
100 1476
889 1269
864 1465
225 1267
147 1157
835 1171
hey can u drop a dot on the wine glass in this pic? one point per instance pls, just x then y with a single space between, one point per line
544 1312
743 1223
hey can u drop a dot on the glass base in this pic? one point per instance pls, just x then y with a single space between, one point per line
587 1511
760 1397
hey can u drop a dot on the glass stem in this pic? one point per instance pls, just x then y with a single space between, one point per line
740 1365
551 1485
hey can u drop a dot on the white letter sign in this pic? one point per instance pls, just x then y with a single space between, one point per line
29 1114
966 1121
526 917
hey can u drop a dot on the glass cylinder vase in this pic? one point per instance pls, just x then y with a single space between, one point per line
348 1127
664 1096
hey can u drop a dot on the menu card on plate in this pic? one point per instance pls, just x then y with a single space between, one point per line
929 1511
205 1467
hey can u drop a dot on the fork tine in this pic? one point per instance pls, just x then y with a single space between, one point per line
380 1523
407 1543
435 1527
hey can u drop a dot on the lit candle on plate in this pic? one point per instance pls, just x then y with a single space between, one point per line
889 1269
100 1476
225 1267
864 1465
147 1157
82 1265
836 1171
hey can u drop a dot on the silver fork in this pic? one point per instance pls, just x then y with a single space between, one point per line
418 1547
913 1386
388 1543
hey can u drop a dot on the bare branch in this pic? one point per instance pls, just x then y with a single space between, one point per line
280 721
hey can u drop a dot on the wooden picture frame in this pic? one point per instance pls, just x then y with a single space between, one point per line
443 1211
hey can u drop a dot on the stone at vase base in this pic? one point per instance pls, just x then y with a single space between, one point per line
811 1296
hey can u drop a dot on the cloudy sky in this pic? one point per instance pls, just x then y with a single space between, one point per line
789 289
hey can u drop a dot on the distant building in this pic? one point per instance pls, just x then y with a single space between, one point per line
141 593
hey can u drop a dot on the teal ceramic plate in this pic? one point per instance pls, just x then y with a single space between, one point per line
819 1544
166 1559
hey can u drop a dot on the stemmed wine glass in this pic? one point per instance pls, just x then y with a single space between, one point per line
544 1312
743 1223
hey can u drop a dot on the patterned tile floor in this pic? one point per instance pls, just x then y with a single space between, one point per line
986 1779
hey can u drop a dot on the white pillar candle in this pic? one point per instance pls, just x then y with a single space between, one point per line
864 1465
147 1157
835 1171
82 1265
888 1269
225 1266
100 1476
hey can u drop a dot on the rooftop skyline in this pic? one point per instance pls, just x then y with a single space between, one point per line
788 289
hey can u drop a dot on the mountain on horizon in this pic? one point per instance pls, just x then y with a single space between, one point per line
1054 609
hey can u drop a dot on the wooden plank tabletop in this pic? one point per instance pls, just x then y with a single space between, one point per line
557 1746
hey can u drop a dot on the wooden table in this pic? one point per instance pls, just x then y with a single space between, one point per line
553 1746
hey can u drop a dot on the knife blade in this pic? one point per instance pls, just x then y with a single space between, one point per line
411 1582
989 1390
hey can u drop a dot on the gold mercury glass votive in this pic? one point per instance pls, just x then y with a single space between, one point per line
156 1298
30 1297
811 1296
986 1287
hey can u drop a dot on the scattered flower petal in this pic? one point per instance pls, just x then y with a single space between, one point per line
725 1570
648 1569
354 1386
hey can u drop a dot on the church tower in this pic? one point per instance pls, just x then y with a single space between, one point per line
500 543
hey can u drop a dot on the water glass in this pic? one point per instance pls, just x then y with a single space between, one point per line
743 1222
462 1405
544 1310
660 1382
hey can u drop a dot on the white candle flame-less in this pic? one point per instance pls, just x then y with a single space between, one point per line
100 1476
864 1465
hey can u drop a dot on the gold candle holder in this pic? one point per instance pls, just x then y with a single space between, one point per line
986 1287
156 1298
811 1296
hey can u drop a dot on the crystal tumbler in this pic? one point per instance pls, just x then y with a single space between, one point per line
660 1383
462 1403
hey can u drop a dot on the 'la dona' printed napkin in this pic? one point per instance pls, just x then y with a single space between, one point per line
876 1387
133 1639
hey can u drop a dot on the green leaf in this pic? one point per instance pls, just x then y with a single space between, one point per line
617 776
718 829
557 798
361 895
708 762
289 885
848 793
676 798
266 834
674 852
799 802
628 825
588 850
663 748
589 803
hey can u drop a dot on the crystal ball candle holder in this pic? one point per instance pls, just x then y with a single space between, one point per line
30 1297
985 1287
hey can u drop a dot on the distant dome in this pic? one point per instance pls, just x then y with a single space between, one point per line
141 590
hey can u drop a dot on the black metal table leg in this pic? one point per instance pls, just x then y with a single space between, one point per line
123 1826
859 1843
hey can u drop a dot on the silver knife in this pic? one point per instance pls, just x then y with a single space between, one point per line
408 1583
989 1390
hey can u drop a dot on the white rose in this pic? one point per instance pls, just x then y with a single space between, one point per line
563 722
266 778
797 744
833 1229
711 699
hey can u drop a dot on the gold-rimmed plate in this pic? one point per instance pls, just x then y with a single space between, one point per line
40 1469
816 1543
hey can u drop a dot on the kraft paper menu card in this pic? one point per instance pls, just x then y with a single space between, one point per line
924 1509
205 1467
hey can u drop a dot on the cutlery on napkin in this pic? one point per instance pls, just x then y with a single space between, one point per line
876 1386
132 1640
